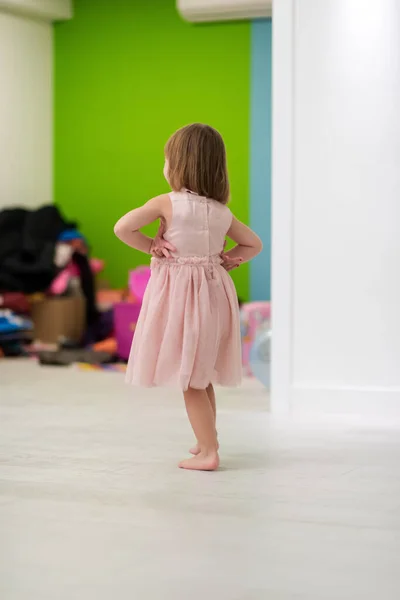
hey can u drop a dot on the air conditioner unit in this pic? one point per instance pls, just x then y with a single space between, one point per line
223 10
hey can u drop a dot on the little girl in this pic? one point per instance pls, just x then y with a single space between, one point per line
188 332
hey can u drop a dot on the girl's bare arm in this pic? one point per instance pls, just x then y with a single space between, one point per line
127 229
248 242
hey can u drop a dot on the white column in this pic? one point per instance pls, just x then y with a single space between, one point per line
26 114
50 10
336 205
26 100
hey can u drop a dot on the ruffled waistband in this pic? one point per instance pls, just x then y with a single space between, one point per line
208 262
190 261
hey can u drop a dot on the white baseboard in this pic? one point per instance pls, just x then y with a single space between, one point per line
364 401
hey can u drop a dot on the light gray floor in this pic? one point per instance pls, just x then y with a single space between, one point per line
93 507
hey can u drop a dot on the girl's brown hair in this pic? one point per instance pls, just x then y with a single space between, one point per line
197 161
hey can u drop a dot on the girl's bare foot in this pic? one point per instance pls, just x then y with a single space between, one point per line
196 449
201 462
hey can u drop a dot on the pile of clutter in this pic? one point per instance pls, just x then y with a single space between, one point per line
50 302
53 307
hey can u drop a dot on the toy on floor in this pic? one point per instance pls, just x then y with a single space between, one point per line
252 316
11 323
114 368
260 355
14 331
64 357
108 345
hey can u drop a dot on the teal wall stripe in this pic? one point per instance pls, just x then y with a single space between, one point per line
260 155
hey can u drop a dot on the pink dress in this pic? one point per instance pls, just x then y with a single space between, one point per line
188 332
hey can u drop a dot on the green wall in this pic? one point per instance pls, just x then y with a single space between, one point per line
127 74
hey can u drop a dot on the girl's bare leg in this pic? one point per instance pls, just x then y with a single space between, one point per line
202 420
211 396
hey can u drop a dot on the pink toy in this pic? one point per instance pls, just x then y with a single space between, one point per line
126 315
252 315
60 283
138 280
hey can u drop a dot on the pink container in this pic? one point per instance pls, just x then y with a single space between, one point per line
252 315
138 280
126 315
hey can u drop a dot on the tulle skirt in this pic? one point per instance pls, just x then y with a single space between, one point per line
188 332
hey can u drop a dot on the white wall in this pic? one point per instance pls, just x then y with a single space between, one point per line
336 204
40 9
26 117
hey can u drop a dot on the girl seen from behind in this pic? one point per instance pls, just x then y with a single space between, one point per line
188 332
